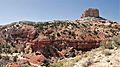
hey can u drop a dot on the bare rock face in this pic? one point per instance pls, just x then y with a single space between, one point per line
90 12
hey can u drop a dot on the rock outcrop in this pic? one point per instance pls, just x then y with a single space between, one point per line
91 12
51 48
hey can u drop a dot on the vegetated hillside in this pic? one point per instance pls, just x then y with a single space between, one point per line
53 39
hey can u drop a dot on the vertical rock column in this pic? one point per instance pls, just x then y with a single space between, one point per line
90 12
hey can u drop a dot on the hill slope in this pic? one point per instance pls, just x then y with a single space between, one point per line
55 39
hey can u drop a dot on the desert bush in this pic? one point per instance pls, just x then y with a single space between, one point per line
58 64
116 39
5 60
26 65
111 43
5 48
1 46
95 32
108 44
15 58
46 63
106 52
84 25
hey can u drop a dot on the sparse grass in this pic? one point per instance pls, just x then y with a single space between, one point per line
69 62
111 43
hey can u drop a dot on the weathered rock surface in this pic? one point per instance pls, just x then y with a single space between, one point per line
91 12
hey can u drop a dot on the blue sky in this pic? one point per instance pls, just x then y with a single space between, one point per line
46 10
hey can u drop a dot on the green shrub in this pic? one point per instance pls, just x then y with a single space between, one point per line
15 58
111 43
95 32
84 25
5 48
108 44
58 64
116 39
5 60
46 63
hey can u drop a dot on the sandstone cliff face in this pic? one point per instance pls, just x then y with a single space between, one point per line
91 12
52 48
